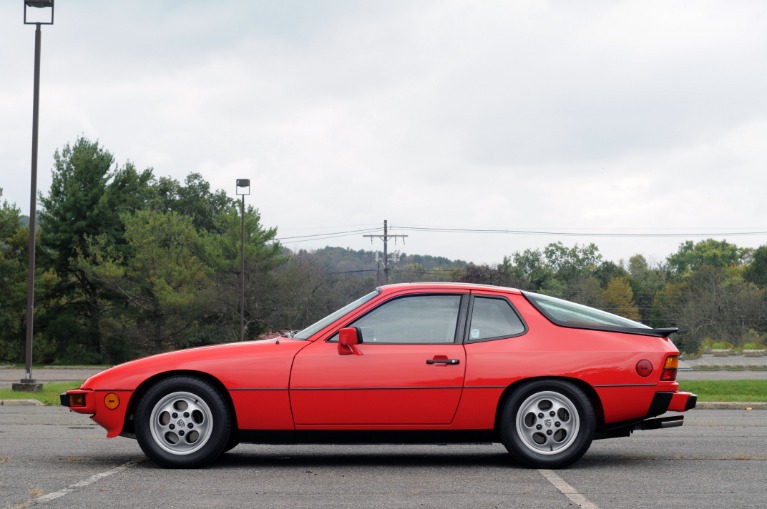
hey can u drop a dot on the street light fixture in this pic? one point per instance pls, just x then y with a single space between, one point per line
31 18
243 189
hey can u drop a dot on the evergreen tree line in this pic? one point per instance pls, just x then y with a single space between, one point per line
129 264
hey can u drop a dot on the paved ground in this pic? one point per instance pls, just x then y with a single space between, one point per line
58 460
10 375
733 367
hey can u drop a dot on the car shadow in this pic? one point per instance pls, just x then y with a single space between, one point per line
346 456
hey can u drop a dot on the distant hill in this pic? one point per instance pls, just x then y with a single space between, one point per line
403 267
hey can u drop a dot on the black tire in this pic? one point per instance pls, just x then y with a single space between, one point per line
547 424
234 441
183 422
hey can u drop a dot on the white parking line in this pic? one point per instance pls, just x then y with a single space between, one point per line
567 490
74 487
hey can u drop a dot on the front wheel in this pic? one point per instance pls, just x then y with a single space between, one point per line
547 424
183 422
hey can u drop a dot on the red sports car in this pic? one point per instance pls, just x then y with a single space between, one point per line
406 363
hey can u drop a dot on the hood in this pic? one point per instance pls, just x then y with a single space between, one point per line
215 360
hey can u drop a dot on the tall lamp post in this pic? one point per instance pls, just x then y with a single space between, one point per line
243 189
37 18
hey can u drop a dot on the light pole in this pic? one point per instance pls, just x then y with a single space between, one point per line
28 383
244 185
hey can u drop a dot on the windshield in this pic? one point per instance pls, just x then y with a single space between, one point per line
571 314
316 327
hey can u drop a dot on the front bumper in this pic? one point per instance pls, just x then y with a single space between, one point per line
108 408
79 400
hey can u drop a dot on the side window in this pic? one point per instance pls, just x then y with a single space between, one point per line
494 318
413 319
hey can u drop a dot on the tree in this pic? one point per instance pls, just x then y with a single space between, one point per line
586 290
607 271
691 257
84 202
574 262
756 272
619 299
195 200
164 284
13 275
645 283
527 270
262 255
481 274
711 302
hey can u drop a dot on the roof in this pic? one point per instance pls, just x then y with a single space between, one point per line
450 285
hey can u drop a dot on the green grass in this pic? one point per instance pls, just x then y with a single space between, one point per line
49 395
727 390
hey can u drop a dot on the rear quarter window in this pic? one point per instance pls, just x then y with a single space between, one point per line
493 318
570 314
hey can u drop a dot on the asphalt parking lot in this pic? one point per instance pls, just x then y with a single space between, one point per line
50 457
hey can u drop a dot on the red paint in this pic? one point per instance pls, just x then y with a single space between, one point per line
315 384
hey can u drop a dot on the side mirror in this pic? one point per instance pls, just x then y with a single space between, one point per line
348 339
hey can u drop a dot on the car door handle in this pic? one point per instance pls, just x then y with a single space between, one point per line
451 362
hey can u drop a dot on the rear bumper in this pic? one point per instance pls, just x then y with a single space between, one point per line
683 401
662 402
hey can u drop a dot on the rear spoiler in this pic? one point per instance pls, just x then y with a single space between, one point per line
662 332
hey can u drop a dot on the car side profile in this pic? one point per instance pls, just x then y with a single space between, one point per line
406 363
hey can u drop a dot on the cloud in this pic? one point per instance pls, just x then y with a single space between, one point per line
630 116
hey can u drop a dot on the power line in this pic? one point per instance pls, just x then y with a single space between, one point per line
323 236
497 231
576 234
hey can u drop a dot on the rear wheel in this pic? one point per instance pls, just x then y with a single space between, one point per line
548 424
183 422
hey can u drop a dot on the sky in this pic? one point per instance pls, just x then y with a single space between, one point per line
476 128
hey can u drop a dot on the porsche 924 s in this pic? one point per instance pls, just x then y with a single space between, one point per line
407 363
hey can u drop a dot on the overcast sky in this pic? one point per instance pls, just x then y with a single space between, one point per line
569 117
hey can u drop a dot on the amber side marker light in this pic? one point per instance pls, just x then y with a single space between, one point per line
669 369
111 401
76 400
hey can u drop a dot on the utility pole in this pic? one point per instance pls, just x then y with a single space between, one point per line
385 237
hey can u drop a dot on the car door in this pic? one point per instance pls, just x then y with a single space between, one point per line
407 370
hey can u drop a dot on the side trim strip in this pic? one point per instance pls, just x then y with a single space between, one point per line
624 385
257 389
364 388
459 387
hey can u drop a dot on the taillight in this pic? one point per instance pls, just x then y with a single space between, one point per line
669 369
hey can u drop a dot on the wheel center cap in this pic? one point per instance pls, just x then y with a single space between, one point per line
181 423
547 423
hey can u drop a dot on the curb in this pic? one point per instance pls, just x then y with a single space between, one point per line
20 402
730 405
